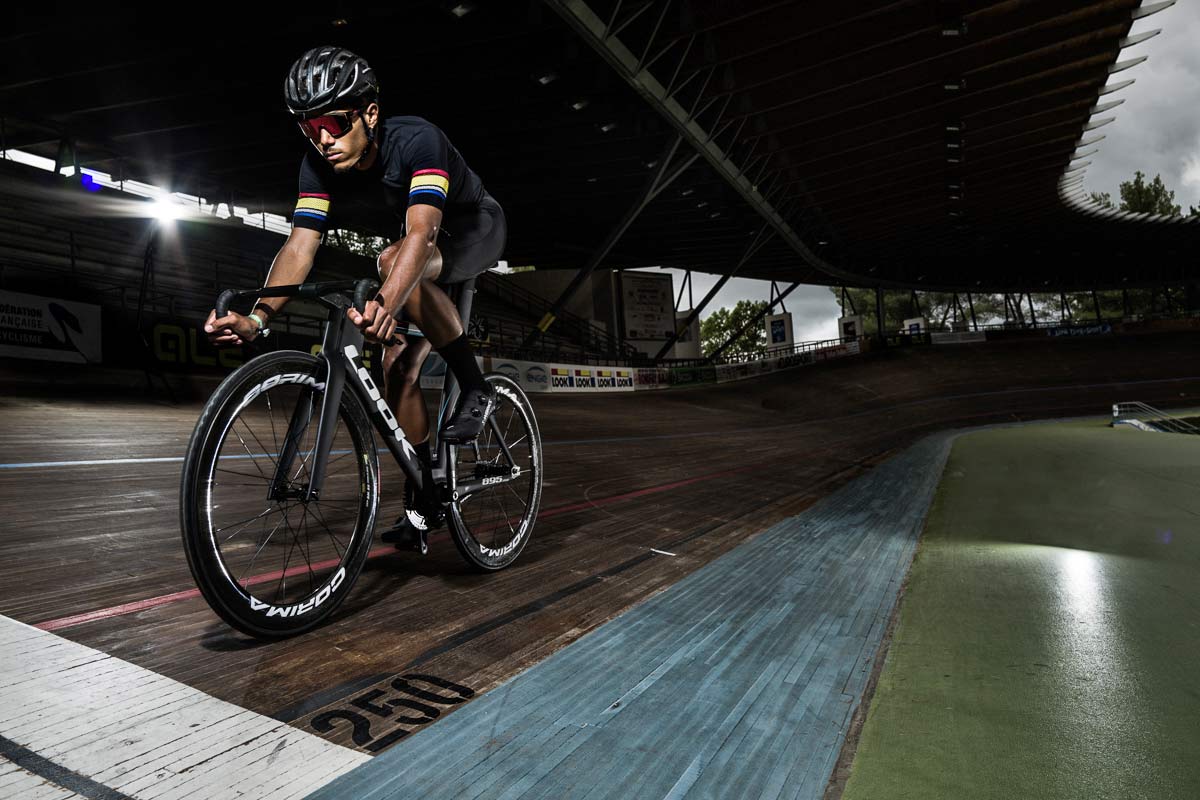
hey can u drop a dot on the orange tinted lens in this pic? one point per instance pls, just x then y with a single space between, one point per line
336 124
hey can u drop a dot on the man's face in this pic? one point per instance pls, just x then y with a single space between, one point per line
345 151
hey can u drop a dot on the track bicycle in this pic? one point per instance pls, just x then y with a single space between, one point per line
281 483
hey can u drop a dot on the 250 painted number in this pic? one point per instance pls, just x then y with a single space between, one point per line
375 703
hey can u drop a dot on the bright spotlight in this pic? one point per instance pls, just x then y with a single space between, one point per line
165 210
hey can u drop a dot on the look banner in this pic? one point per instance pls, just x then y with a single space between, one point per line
49 329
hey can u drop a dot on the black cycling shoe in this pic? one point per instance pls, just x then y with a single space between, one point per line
473 412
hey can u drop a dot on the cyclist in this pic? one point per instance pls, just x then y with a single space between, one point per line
400 178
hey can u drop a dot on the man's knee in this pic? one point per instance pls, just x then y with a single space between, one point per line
387 258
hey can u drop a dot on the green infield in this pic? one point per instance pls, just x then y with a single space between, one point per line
1048 641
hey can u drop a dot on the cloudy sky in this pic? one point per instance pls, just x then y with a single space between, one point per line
1157 131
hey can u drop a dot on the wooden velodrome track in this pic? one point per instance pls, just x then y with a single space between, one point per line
92 550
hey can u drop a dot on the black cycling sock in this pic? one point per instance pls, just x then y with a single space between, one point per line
461 362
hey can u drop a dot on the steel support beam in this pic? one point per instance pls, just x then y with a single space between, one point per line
585 22
1096 304
663 177
757 318
763 236
971 305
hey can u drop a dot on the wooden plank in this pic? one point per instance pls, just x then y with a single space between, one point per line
143 735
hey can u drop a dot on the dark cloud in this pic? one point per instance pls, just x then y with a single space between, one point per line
1157 130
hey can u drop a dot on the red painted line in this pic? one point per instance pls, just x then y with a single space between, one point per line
161 600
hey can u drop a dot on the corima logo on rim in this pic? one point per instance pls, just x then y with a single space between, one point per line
275 380
300 608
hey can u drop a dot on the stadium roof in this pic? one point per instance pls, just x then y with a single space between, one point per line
906 143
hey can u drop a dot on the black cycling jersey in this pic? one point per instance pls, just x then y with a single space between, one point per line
416 164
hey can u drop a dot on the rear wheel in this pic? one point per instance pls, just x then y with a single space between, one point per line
270 561
498 482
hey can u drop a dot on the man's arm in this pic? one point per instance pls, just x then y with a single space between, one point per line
292 265
407 266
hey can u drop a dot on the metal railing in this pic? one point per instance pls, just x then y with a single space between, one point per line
1153 418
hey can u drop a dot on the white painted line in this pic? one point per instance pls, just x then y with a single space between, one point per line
141 734
661 552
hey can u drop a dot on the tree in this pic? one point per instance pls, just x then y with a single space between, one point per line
358 243
935 306
1148 198
717 327
1102 199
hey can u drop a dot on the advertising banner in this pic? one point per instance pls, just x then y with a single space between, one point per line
958 337
49 329
560 378
651 378
1085 330
530 376
614 379
686 376
648 305
779 331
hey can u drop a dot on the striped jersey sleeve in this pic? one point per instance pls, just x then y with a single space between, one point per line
312 207
428 159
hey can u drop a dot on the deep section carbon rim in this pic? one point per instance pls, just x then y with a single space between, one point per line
270 559
494 522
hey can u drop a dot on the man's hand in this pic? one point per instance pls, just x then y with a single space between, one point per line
231 329
376 322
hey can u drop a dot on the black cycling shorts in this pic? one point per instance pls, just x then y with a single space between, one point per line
471 242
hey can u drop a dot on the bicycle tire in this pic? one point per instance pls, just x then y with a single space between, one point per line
470 530
209 494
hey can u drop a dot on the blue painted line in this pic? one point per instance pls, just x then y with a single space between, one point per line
740 680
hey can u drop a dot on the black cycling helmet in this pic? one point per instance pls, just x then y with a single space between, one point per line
329 77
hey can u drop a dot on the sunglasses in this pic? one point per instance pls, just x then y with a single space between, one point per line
338 123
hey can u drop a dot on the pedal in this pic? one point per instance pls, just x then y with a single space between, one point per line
408 538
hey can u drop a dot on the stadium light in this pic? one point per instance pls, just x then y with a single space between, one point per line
165 210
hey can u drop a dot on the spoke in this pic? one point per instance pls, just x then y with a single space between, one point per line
257 441
252 459
336 544
287 559
253 558
507 521
514 494
247 520
511 445
243 474
512 415
271 415
307 553
309 428
235 483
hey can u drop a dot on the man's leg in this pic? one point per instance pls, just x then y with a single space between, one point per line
402 386
437 317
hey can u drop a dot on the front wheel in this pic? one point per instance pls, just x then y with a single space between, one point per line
498 482
271 561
